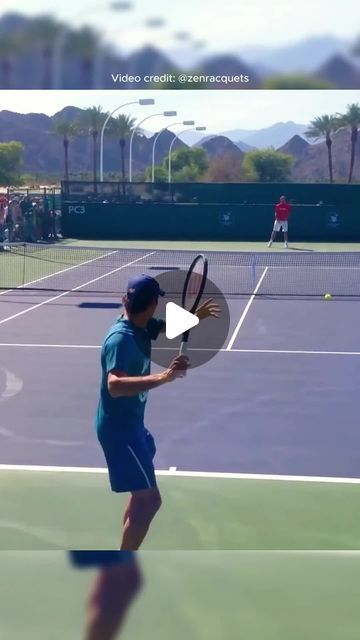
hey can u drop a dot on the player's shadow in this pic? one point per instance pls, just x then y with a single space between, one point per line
300 249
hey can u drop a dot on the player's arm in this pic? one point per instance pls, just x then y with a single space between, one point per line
206 310
121 385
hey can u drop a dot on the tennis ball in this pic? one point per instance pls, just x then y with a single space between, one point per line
328 296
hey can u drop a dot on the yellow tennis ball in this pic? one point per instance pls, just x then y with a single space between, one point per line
328 296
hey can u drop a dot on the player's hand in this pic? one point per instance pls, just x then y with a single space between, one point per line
176 368
207 309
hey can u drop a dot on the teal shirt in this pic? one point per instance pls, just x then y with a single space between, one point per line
126 348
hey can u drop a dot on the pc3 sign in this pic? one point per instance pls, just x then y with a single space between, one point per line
77 209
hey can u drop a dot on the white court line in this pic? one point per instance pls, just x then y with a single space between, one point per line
81 286
27 284
269 351
245 312
187 474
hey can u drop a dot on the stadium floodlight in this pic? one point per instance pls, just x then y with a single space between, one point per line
141 102
155 23
201 128
60 40
166 114
185 123
199 44
121 6
101 49
183 36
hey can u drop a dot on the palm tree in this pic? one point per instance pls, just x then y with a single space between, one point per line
84 44
356 48
10 46
91 121
67 130
121 128
324 127
351 120
43 32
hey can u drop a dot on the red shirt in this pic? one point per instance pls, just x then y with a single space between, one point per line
282 210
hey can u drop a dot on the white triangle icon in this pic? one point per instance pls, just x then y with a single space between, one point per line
178 320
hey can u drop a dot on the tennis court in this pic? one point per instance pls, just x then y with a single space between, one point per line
198 596
258 448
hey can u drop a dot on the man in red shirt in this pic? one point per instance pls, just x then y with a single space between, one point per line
282 212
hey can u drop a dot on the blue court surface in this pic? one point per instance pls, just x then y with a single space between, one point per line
276 408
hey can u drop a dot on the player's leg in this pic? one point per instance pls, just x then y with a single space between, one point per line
142 509
110 597
285 230
145 499
126 512
112 591
275 230
131 470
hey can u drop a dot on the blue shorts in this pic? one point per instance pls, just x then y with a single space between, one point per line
130 463
87 559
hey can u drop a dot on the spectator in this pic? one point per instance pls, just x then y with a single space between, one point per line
29 224
9 224
46 221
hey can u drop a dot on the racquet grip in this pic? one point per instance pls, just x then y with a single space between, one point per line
183 349
182 352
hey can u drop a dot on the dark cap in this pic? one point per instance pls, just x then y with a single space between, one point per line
143 286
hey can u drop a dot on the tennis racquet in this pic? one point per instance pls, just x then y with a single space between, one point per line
193 290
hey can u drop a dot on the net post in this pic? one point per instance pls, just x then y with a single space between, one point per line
253 270
24 259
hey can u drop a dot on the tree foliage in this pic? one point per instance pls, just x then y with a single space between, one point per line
267 165
10 163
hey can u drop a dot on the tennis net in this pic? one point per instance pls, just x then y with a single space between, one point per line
106 271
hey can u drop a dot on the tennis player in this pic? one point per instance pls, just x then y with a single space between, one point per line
128 446
113 590
282 213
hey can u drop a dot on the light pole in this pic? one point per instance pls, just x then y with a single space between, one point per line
166 114
151 23
59 44
142 102
185 123
173 141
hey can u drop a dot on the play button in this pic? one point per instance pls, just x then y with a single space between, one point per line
207 336
178 320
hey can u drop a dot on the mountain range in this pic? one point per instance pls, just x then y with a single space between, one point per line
311 160
246 139
28 66
304 56
43 149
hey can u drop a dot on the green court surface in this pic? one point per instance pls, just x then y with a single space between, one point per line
64 510
205 245
192 596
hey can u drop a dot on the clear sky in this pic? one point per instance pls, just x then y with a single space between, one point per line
229 109
226 25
